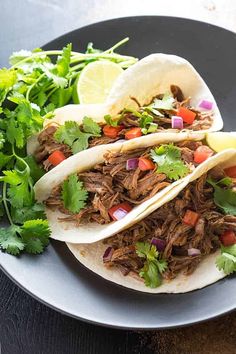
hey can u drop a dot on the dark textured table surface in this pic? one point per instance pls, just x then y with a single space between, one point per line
27 326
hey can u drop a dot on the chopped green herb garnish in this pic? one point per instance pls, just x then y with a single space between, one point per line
153 266
225 198
112 122
74 195
165 103
71 134
227 260
168 160
146 123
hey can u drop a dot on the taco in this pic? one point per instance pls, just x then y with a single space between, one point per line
187 242
97 192
160 93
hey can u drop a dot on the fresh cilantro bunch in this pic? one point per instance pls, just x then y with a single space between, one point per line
168 159
71 134
74 195
224 198
153 266
227 260
28 230
36 83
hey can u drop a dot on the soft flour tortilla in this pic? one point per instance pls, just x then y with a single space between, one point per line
150 76
153 75
85 160
70 112
90 255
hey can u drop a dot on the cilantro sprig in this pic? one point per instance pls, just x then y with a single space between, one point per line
71 134
74 195
168 160
227 260
224 198
153 265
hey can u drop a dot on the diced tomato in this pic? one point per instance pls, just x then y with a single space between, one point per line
228 238
145 164
133 133
56 157
112 132
187 115
190 218
231 171
119 211
202 153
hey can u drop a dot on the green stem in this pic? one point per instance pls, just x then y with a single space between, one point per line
78 67
33 85
51 92
4 199
120 43
108 56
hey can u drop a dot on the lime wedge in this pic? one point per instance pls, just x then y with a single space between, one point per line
95 82
219 141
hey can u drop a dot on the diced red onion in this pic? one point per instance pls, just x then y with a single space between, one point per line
159 243
108 254
205 104
193 252
132 164
120 213
177 122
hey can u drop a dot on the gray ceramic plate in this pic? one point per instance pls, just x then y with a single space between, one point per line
55 277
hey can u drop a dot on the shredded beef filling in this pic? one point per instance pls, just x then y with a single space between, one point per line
166 223
110 183
48 144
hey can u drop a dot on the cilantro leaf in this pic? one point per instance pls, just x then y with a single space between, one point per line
35 235
35 211
153 267
112 122
16 57
70 134
18 191
146 123
81 143
63 61
36 172
90 126
61 96
168 159
8 78
10 241
91 50
4 159
227 260
2 140
166 103
74 195
224 198
15 134
150 274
